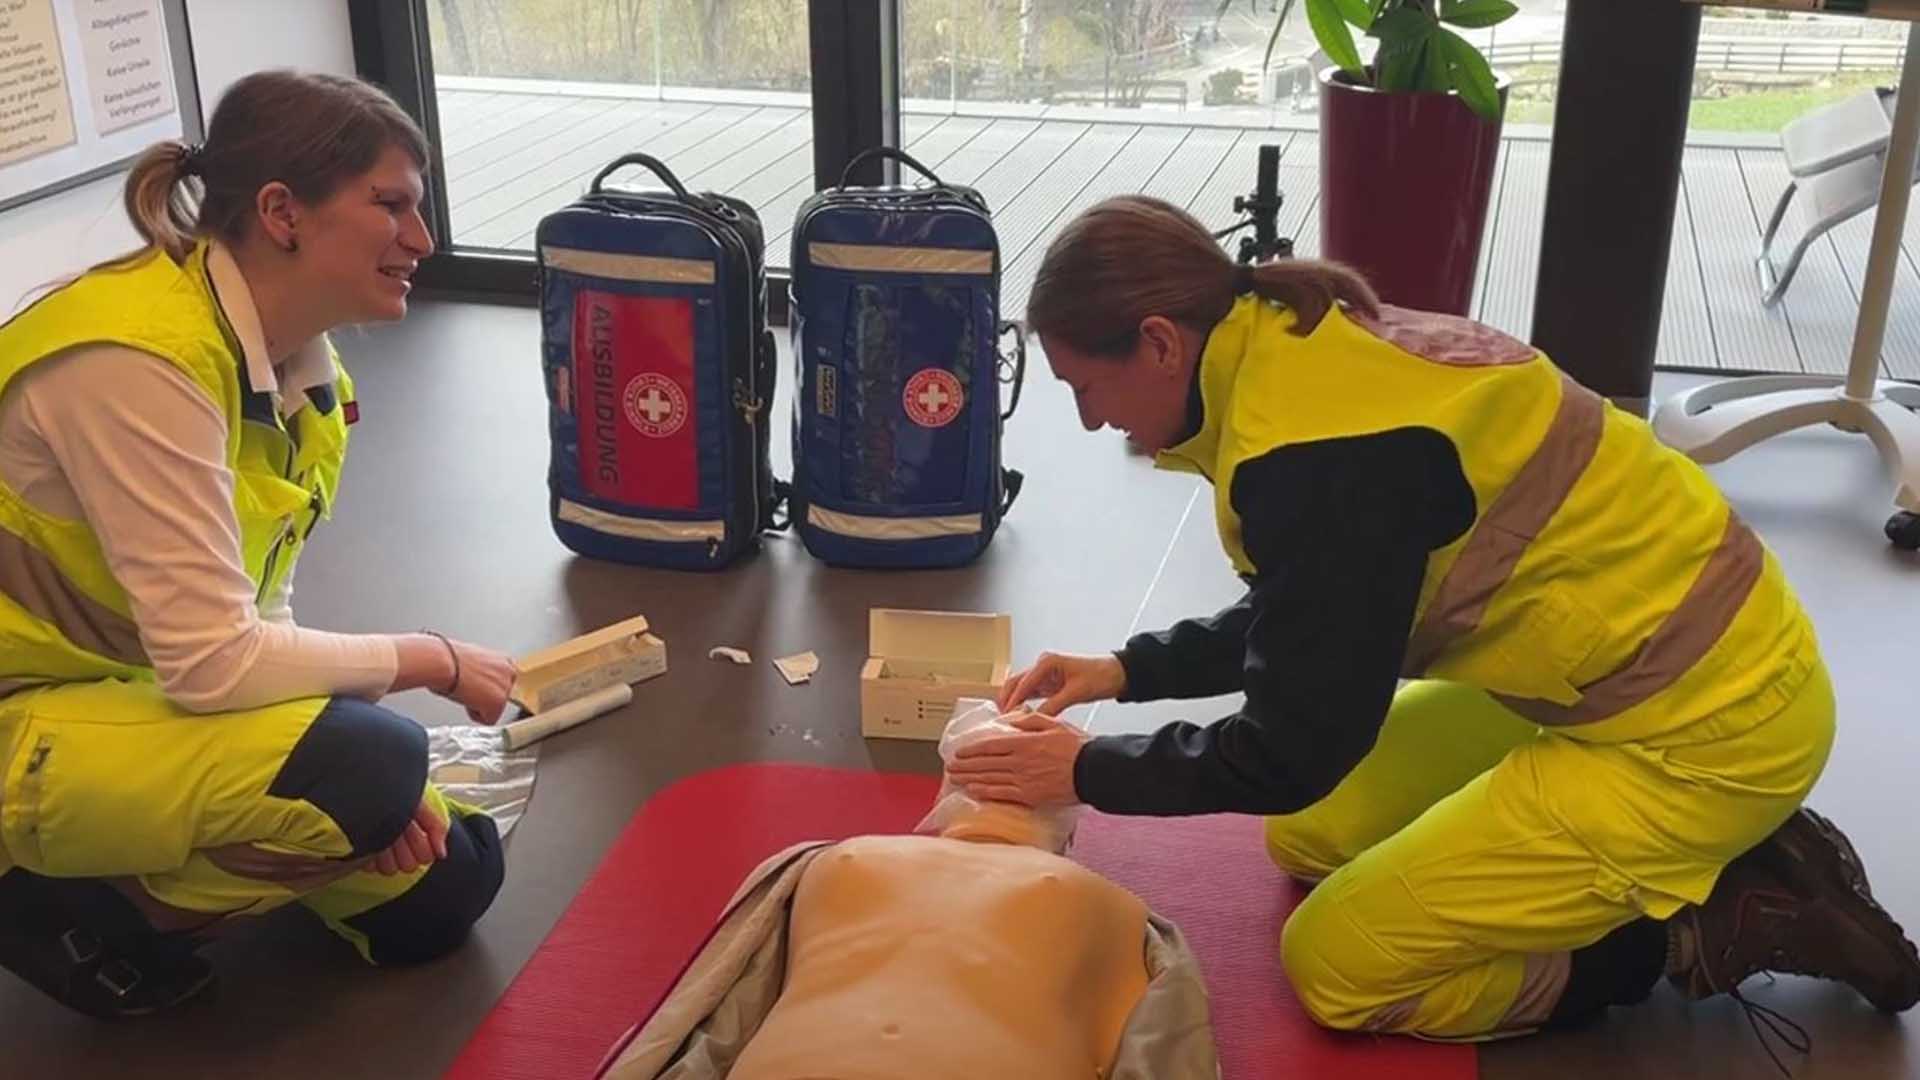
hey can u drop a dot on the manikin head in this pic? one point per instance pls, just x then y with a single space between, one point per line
959 816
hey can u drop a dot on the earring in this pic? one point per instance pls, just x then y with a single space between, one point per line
293 244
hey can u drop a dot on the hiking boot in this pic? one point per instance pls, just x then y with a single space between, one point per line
107 975
1798 904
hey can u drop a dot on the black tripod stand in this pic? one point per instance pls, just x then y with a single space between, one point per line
1263 210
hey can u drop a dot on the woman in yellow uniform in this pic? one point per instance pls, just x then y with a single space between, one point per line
1616 704
176 748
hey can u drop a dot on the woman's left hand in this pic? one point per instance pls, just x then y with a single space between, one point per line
421 843
1033 768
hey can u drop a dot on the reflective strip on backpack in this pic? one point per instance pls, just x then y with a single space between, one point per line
651 268
670 532
864 527
882 258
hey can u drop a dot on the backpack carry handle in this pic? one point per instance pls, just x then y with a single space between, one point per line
894 152
1019 378
658 167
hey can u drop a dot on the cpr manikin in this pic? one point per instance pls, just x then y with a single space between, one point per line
973 949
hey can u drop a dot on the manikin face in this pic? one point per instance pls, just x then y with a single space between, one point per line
1143 393
359 247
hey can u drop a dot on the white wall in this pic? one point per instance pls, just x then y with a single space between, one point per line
50 238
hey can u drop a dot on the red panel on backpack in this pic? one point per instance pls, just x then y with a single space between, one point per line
634 398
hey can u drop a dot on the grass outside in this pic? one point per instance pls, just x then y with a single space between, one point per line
1764 111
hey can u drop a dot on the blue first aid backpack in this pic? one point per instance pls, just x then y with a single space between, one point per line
659 372
897 420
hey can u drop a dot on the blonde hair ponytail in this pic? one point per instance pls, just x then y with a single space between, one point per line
160 202
1132 256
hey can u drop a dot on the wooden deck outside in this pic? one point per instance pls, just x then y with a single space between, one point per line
511 157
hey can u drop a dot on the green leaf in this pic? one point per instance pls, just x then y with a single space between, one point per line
1378 6
1357 12
1334 37
1403 24
1402 64
1435 76
1474 14
1469 73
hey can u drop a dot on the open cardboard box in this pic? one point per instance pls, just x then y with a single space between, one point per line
921 662
622 653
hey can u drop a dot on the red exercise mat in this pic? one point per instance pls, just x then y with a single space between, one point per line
625 939
1212 877
651 903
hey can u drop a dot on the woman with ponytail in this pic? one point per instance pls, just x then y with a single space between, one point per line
1614 704
176 748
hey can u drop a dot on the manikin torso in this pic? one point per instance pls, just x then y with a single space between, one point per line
938 957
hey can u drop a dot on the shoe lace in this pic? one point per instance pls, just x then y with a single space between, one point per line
1783 1028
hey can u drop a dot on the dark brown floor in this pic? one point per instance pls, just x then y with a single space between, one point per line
444 525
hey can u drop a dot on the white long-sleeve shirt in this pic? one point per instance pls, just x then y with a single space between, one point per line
129 443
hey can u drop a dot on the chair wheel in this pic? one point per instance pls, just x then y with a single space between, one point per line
1903 529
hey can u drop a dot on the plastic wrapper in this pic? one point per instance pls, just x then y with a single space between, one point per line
472 764
975 719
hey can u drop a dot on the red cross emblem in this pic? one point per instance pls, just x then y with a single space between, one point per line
933 398
655 405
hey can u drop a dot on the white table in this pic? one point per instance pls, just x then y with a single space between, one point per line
1716 421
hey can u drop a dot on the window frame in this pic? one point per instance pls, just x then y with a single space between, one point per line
859 106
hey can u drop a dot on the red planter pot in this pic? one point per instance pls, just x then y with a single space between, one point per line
1405 180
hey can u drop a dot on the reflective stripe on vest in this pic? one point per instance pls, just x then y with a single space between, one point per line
29 578
1487 561
62 612
1709 607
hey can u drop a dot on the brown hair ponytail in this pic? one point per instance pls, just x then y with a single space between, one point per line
159 203
311 132
1132 256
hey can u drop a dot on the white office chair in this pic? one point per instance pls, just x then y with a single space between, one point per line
1837 155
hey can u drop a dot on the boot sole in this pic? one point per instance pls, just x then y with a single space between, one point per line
1833 869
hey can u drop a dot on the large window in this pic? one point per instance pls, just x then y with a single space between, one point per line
535 96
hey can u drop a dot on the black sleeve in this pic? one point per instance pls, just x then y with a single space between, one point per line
1192 658
1339 532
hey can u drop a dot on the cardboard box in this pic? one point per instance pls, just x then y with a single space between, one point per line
624 652
920 662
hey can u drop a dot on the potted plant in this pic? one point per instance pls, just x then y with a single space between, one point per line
1408 143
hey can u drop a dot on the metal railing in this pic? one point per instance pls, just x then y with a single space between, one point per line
1740 55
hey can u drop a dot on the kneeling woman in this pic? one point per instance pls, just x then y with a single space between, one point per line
1618 704
176 748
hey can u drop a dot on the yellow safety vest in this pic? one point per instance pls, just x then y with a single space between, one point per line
1606 588
63 617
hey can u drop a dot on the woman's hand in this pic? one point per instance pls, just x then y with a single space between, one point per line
1065 681
421 842
482 684
1032 768
476 677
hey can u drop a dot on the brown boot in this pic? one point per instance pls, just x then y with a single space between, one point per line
1798 904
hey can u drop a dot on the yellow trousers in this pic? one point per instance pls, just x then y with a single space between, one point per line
239 813
1471 851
